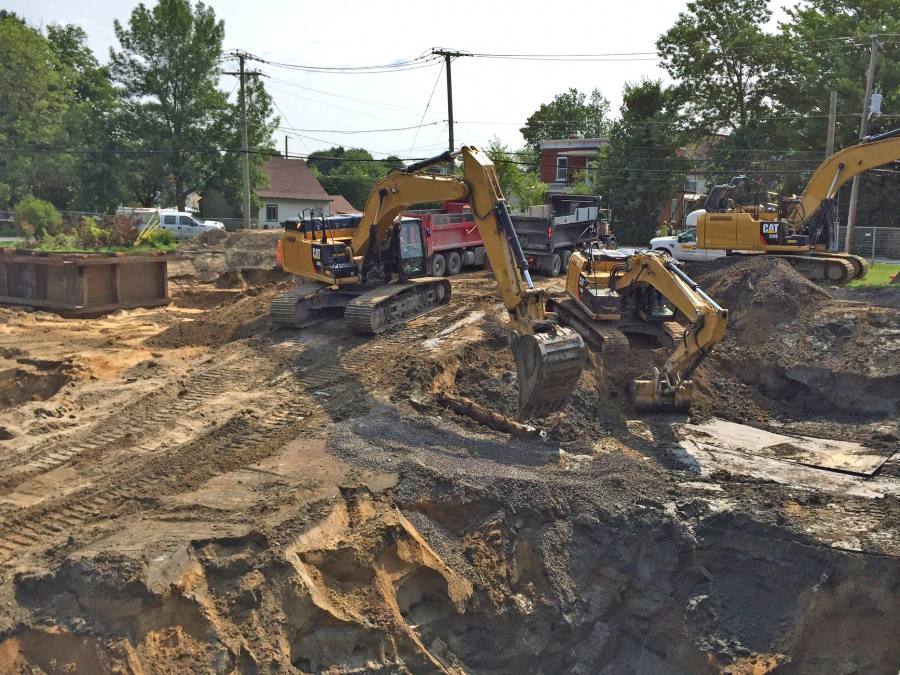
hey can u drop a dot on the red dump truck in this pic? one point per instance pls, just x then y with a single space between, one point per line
451 238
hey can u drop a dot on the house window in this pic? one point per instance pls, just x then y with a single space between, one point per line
562 169
271 212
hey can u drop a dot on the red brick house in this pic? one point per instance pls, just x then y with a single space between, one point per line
563 158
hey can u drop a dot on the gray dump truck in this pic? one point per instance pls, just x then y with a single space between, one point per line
550 232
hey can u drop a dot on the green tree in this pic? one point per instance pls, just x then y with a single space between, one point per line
819 62
572 112
350 171
718 51
87 181
642 168
261 124
168 70
32 107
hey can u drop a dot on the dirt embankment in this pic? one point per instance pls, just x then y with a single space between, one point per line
803 352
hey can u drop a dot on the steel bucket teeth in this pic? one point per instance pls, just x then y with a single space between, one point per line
548 366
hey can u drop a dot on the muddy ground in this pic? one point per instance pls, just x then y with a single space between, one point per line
189 489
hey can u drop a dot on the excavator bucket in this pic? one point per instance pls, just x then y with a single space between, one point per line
655 396
548 366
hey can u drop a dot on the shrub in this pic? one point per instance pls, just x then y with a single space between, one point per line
36 217
161 239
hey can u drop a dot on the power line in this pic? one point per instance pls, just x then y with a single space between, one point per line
364 131
425 112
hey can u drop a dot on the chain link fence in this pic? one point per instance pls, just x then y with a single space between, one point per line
874 243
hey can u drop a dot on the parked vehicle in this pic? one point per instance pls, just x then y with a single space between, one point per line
684 246
181 224
551 232
451 238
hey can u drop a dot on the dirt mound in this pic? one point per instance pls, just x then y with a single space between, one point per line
230 320
210 238
242 278
762 293
343 593
792 350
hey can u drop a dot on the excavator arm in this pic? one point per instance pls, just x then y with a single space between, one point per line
548 357
670 386
843 165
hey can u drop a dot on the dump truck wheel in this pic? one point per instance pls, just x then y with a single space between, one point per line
554 266
438 265
454 264
564 262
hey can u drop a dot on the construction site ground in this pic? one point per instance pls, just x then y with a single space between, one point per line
188 489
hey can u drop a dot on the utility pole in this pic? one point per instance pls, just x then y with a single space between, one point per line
835 238
448 55
245 147
832 119
863 129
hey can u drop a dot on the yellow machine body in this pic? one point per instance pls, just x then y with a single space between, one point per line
608 289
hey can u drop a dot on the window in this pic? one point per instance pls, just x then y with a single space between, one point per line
168 220
562 169
271 212
688 236
185 220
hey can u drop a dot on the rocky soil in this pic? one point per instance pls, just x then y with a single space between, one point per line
189 489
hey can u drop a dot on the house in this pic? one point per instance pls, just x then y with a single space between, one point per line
292 190
563 158
692 195
341 207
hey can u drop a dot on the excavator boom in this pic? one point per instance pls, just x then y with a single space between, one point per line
350 268
843 165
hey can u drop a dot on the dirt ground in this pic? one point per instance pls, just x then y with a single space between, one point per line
190 489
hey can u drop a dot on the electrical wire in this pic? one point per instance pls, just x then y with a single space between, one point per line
427 105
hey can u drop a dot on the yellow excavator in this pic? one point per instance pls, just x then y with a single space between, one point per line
373 268
611 294
803 233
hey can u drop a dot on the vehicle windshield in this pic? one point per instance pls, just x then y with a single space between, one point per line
688 236
412 249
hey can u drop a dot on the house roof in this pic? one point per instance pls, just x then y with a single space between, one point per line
572 143
291 179
340 205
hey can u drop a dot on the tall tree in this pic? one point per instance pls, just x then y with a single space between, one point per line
718 50
168 69
33 104
642 165
572 112
349 171
94 182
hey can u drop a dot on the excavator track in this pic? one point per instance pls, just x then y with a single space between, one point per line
600 337
860 264
291 309
834 268
394 304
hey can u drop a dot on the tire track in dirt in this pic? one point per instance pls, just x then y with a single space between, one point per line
155 411
246 438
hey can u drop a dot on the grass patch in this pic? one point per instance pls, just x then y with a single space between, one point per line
879 275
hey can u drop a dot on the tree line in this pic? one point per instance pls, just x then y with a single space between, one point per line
743 100
150 127
153 125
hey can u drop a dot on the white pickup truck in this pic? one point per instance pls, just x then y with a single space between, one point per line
181 224
684 245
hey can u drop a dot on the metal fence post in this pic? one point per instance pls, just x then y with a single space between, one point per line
874 236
